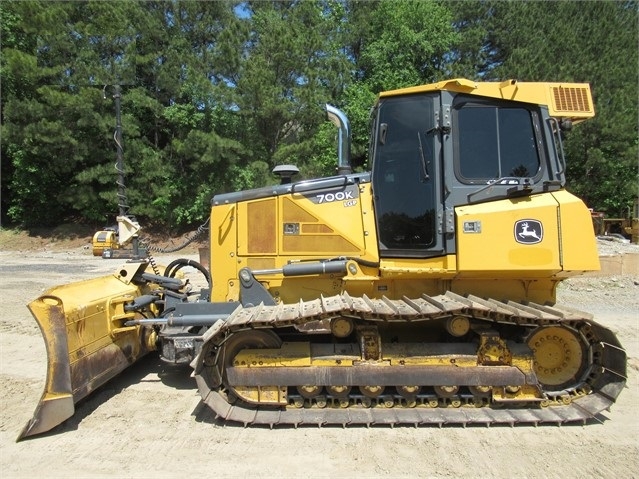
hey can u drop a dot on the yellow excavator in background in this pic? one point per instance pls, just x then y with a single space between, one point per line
111 242
421 292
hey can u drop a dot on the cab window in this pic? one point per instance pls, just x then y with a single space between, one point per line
403 179
494 142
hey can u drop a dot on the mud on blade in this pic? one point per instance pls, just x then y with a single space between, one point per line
87 342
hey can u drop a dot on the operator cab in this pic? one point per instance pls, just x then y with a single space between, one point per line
434 151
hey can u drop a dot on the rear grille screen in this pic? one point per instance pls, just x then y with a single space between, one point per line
571 99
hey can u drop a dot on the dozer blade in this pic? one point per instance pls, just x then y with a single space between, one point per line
86 341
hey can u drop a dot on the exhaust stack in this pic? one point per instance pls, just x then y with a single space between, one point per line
338 118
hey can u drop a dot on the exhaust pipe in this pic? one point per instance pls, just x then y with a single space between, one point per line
338 118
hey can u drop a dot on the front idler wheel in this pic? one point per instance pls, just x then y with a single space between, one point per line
249 339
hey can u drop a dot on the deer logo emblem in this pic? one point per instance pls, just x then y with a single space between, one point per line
529 231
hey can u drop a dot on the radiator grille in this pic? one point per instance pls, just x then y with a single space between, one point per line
571 99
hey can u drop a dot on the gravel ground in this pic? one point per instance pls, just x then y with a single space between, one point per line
149 422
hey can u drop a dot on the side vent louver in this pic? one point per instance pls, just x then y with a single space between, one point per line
572 99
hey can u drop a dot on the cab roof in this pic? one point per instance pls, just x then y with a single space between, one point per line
564 100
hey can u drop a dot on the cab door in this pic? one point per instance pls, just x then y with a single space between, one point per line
406 176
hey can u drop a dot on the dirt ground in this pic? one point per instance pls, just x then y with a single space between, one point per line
149 422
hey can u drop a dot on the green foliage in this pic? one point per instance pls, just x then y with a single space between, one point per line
358 101
290 68
407 43
212 100
323 159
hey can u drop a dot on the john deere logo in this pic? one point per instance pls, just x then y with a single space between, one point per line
529 231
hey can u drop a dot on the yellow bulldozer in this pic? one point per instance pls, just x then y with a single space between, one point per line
421 292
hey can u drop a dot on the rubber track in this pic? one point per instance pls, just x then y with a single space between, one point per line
605 380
